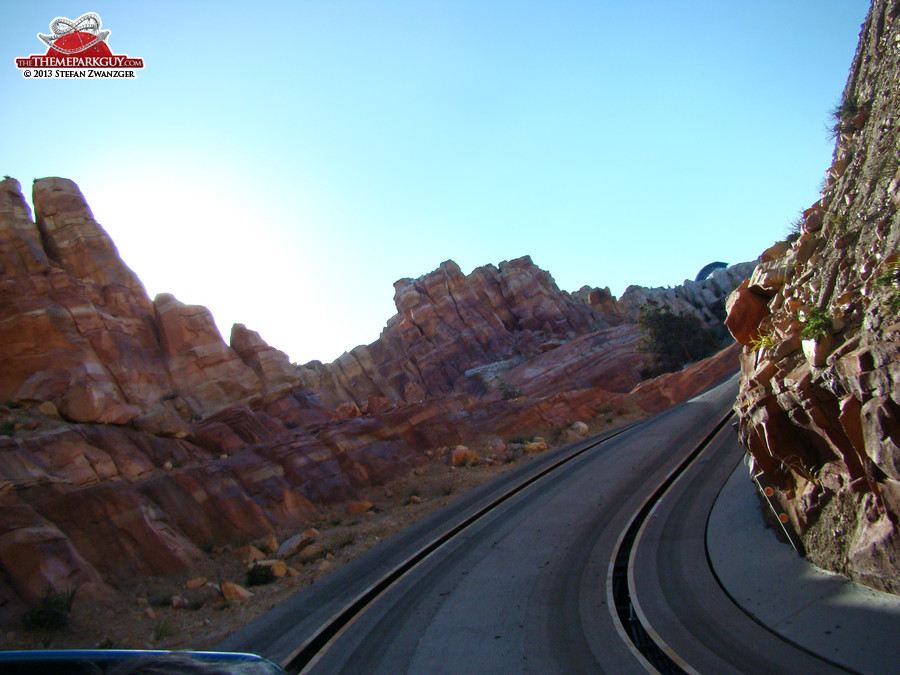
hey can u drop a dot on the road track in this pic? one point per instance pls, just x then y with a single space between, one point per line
516 576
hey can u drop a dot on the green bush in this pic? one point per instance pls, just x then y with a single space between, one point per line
816 324
162 630
890 276
672 340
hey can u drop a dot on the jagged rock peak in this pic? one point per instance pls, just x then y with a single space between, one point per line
74 240
78 330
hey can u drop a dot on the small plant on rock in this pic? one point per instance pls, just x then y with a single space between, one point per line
162 630
509 391
763 341
890 276
796 464
795 229
816 324
837 222
843 113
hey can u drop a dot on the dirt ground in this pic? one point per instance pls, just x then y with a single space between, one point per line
142 616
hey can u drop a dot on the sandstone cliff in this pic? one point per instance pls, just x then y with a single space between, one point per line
133 438
820 389
502 325
77 328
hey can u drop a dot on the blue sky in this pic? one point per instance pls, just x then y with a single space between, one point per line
283 163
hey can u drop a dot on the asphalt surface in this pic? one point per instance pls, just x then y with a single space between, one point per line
853 626
525 588
677 592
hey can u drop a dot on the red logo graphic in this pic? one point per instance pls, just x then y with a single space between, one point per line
78 45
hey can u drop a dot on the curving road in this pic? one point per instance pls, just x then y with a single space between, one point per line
524 588
677 594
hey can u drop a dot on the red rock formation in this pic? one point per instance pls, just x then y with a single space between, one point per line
83 343
606 359
36 556
205 371
271 366
819 397
456 332
449 323
140 437
663 392
602 301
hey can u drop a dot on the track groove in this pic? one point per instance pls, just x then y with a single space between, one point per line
311 649
656 654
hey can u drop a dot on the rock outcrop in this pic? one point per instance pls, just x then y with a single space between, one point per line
133 438
77 328
470 333
819 319
449 323
704 299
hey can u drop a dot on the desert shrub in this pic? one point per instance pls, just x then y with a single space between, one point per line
672 340
162 630
259 575
763 341
509 391
890 276
53 612
7 428
795 229
842 113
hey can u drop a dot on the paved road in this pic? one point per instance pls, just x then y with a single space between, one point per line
525 588
676 590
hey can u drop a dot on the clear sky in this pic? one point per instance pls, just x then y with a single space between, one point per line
283 163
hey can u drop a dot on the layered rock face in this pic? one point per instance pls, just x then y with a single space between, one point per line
448 323
132 437
99 384
820 323
77 328
463 333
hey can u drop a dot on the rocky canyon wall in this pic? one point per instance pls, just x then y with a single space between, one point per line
819 320
464 333
133 438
